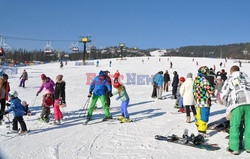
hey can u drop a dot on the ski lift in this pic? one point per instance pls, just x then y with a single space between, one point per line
3 46
48 49
74 47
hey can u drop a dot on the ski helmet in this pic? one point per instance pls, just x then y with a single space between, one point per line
13 94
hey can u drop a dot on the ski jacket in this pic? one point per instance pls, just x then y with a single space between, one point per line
175 80
6 87
158 80
186 92
236 91
24 75
166 77
49 85
98 85
203 91
47 101
60 90
16 107
123 95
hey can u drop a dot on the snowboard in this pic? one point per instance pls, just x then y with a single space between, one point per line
185 141
219 125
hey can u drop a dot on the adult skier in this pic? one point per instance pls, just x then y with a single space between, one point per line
98 88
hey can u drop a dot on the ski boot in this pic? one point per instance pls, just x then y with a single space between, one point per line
120 118
126 120
107 118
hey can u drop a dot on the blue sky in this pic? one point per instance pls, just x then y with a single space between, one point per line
140 23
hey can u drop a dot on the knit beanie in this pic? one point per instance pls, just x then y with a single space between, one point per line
189 75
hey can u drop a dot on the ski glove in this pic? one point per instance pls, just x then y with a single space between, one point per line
110 94
8 104
90 94
37 94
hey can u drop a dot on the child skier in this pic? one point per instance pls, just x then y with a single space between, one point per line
121 91
47 102
16 107
179 99
59 99
26 108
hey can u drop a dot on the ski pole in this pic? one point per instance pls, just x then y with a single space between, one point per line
85 106
34 101
8 120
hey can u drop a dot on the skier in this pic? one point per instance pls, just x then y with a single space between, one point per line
47 102
186 92
61 64
166 80
107 93
4 90
203 91
16 107
236 96
218 87
175 85
59 99
171 65
179 100
23 78
110 63
97 86
158 80
221 64
97 63
48 84
121 91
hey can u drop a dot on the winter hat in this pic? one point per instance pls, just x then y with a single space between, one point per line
117 84
43 76
5 76
13 94
59 77
190 75
203 70
182 79
24 103
101 73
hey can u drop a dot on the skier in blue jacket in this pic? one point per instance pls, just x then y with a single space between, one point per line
98 88
158 80
18 112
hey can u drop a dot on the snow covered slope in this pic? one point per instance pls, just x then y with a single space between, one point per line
111 139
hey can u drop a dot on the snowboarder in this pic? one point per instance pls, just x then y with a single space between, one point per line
16 107
236 96
158 80
47 103
166 80
121 91
186 92
203 91
4 90
97 87
175 84
59 99
23 78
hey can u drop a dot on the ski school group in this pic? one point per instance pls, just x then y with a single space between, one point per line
190 94
232 91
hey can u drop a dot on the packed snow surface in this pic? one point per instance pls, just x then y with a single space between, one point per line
112 139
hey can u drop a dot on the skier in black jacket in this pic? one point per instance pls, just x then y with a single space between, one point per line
166 80
175 84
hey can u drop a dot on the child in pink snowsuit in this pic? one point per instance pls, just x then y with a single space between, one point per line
59 99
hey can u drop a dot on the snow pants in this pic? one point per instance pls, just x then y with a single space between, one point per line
104 106
159 92
202 117
57 112
237 114
22 82
22 123
3 105
124 108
